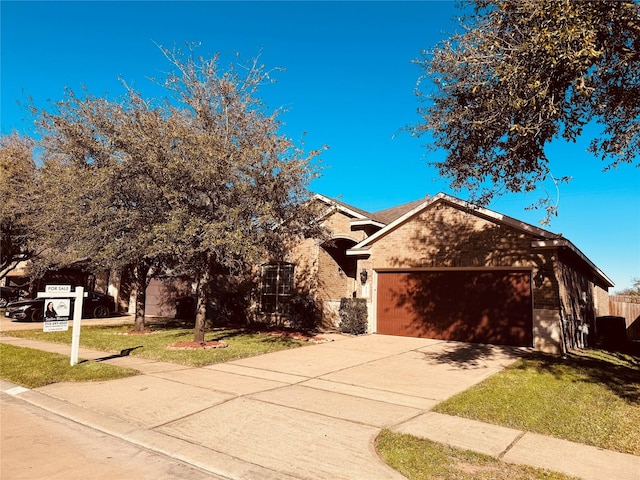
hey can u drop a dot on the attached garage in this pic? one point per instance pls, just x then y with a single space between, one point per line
479 306
442 268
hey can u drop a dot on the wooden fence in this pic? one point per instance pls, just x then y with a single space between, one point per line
627 306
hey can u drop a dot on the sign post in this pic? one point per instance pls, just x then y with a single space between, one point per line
77 318
64 292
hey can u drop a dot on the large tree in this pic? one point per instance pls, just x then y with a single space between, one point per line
202 182
18 190
106 207
243 194
523 73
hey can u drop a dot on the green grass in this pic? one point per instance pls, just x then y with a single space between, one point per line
420 459
591 397
35 368
113 338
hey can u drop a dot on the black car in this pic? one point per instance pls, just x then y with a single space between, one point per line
95 305
10 294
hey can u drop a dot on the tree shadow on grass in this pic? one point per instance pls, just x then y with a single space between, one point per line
618 371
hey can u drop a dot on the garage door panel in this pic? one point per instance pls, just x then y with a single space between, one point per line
471 306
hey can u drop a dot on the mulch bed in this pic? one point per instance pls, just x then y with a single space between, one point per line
273 332
295 335
134 332
197 345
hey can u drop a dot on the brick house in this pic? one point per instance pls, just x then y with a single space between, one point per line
440 268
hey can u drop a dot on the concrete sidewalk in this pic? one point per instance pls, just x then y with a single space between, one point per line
526 448
309 413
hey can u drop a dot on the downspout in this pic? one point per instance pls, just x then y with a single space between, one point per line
563 343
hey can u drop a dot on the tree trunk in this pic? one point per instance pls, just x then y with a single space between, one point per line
201 309
141 273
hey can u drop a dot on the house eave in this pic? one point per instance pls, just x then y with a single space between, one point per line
480 211
358 252
366 223
564 243
333 206
546 239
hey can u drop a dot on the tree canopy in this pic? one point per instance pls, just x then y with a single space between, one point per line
523 73
201 180
18 189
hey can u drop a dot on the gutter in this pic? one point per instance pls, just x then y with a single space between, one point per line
564 243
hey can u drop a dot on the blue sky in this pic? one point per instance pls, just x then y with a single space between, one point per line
348 82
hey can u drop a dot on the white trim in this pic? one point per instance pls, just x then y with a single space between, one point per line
367 221
564 243
548 239
480 211
353 251
513 222
338 206
392 225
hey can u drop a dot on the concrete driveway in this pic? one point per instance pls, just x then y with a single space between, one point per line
310 413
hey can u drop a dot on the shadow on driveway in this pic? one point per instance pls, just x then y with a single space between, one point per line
467 356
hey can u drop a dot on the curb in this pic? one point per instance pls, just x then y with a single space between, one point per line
206 459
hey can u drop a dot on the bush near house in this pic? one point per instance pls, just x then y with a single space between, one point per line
353 315
304 313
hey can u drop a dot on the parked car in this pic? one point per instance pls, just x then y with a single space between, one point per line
10 294
95 305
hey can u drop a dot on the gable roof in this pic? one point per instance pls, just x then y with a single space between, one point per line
545 238
380 218
417 206
391 214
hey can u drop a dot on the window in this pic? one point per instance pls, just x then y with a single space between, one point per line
277 287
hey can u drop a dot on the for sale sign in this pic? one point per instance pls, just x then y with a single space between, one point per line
57 289
56 315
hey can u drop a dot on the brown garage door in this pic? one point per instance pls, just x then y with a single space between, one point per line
469 306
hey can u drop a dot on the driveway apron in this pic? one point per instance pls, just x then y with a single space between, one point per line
310 413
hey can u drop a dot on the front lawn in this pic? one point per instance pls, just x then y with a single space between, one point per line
591 397
240 343
35 368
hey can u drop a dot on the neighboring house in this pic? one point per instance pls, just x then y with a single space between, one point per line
441 268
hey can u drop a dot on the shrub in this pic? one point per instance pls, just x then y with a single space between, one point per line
304 313
353 315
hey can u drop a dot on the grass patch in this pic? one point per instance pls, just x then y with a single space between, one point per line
35 368
421 459
113 338
591 397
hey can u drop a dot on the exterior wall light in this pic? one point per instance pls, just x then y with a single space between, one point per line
363 276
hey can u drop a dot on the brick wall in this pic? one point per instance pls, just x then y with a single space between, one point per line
305 258
320 274
450 237
447 236
339 226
